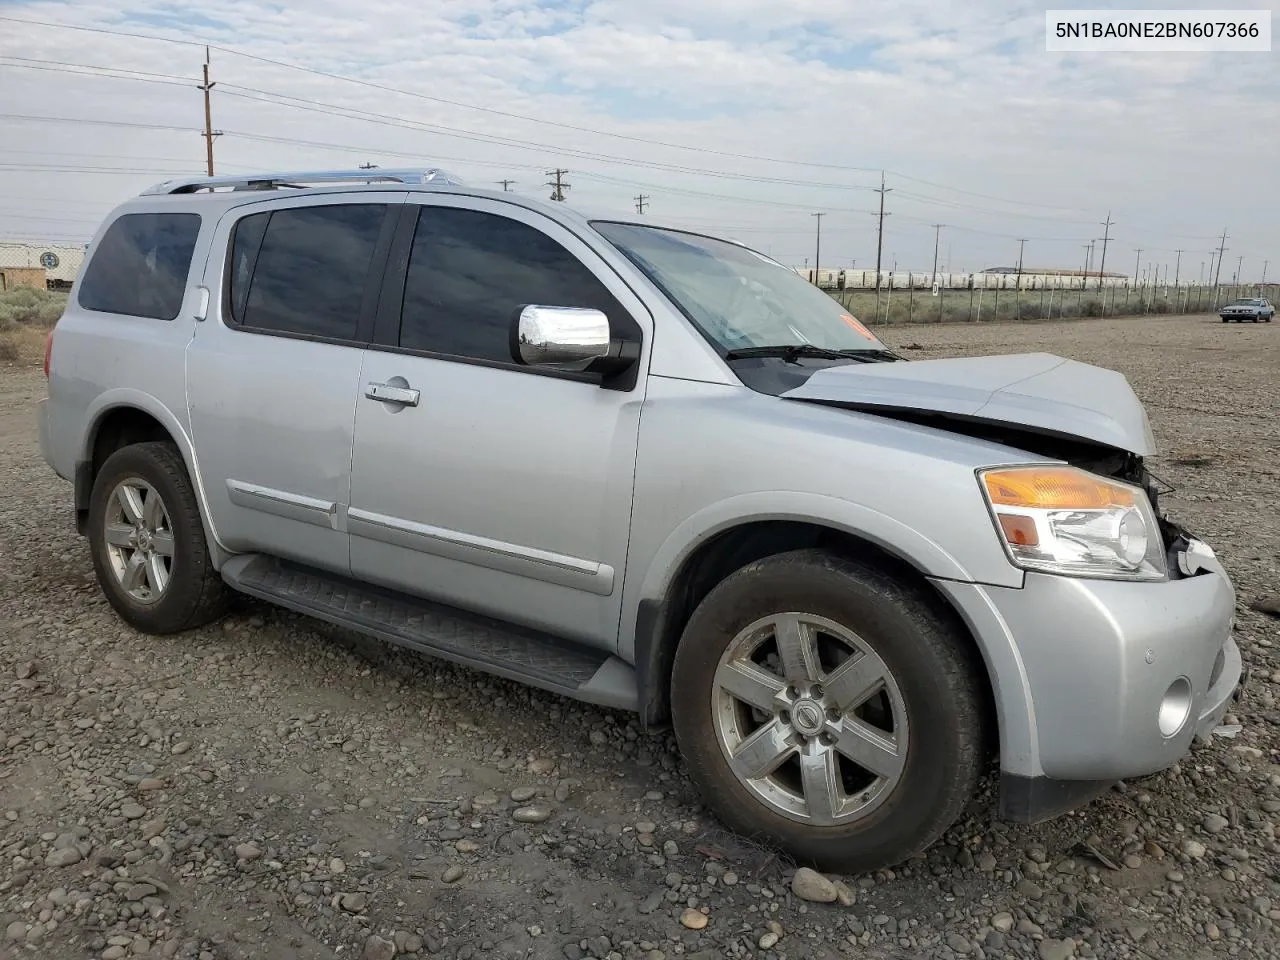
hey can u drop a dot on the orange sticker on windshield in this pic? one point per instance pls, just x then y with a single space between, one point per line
857 325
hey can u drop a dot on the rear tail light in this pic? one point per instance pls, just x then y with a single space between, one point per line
48 351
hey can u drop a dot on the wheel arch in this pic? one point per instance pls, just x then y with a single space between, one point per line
662 614
124 417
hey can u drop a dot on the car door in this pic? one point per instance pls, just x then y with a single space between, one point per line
274 369
502 489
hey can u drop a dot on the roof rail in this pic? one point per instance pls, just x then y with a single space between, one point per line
301 178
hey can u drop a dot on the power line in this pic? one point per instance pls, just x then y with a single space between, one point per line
121 75
454 103
541 120
94 66
105 123
65 168
408 123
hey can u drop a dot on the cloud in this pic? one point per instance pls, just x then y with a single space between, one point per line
1000 139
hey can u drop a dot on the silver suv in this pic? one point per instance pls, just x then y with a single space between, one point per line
645 468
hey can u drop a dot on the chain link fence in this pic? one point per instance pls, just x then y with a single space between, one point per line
59 262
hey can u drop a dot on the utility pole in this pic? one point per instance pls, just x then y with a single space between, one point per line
1239 272
1264 273
817 252
558 185
937 233
1222 248
1177 270
640 202
882 190
1017 283
1137 265
1088 249
368 166
209 132
1106 235
506 185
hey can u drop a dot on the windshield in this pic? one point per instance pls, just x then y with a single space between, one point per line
738 298
1246 302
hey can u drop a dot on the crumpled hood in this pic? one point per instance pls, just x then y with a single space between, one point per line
1037 391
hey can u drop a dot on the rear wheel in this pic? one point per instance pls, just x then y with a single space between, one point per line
826 709
148 544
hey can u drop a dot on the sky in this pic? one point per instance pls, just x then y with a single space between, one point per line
742 118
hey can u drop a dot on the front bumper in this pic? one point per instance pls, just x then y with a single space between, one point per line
1083 668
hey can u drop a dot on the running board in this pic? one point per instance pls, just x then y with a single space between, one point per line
483 643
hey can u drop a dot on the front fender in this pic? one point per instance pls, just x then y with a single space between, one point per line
894 536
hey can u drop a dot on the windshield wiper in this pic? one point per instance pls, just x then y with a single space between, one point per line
790 352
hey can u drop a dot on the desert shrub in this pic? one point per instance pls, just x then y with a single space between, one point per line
29 305
9 349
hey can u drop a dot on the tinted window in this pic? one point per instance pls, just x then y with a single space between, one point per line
469 272
140 266
304 270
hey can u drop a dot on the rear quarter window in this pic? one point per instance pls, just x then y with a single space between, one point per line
140 266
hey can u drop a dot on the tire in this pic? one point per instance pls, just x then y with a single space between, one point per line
933 683
175 586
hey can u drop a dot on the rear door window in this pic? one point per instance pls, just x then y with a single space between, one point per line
140 265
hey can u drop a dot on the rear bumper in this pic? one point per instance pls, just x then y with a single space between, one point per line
42 427
1098 680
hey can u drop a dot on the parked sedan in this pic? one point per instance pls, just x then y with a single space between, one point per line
1248 308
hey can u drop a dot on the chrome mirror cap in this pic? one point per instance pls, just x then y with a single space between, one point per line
566 338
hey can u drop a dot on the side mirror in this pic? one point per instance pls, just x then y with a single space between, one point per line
573 339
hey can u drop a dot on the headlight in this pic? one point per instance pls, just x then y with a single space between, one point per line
1069 521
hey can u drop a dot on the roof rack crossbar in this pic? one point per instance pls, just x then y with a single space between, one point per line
300 178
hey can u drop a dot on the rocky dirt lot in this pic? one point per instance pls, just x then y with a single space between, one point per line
273 788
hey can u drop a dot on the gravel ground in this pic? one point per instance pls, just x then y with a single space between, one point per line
273 788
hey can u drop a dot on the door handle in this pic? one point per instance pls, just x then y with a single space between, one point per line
387 393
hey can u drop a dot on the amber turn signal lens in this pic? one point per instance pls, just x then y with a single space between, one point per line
1053 488
1019 531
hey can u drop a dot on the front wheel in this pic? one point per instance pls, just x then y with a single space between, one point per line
148 543
825 708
